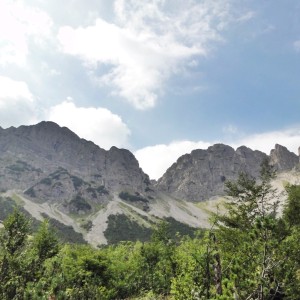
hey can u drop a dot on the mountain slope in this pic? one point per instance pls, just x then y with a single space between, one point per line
202 174
52 173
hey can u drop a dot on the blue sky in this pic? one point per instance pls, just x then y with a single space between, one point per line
159 77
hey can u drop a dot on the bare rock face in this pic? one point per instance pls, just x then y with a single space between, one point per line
28 154
282 159
202 174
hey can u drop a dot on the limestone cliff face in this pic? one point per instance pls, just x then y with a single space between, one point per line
30 153
202 174
282 159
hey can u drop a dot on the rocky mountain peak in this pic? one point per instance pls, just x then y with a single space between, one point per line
282 159
47 146
202 173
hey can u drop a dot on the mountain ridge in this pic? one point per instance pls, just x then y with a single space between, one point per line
77 183
202 174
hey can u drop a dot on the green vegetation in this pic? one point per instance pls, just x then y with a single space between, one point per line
65 233
30 192
46 181
80 204
87 225
121 228
22 166
132 198
102 190
181 229
7 207
56 175
77 182
249 253
99 191
136 199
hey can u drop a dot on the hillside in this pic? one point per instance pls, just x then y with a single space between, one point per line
104 196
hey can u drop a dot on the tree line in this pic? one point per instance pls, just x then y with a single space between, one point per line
250 252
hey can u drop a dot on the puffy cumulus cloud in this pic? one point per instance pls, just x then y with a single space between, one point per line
18 24
155 160
96 124
265 142
147 43
17 104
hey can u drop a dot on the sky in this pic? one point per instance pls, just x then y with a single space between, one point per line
157 77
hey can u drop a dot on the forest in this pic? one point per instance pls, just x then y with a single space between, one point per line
251 251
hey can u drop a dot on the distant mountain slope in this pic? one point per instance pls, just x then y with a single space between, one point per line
202 174
30 153
52 173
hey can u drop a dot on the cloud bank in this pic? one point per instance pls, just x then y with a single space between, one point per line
146 44
20 24
17 104
96 124
155 160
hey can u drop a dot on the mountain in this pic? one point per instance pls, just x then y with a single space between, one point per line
51 172
202 174
31 153
103 196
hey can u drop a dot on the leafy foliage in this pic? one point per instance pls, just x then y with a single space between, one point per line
64 233
121 228
78 203
249 253
132 198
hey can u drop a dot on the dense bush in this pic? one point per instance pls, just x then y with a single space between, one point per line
132 198
249 253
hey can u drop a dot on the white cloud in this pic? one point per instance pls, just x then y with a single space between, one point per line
96 124
297 45
13 91
17 105
18 24
147 43
155 160
247 16
265 142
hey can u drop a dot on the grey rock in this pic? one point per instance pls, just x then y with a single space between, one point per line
203 173
282 159
29 154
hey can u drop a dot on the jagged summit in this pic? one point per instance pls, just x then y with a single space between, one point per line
56 173
282 159
201 174
46 146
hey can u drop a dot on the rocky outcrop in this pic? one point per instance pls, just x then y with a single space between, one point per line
29 154
282 159
202 174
